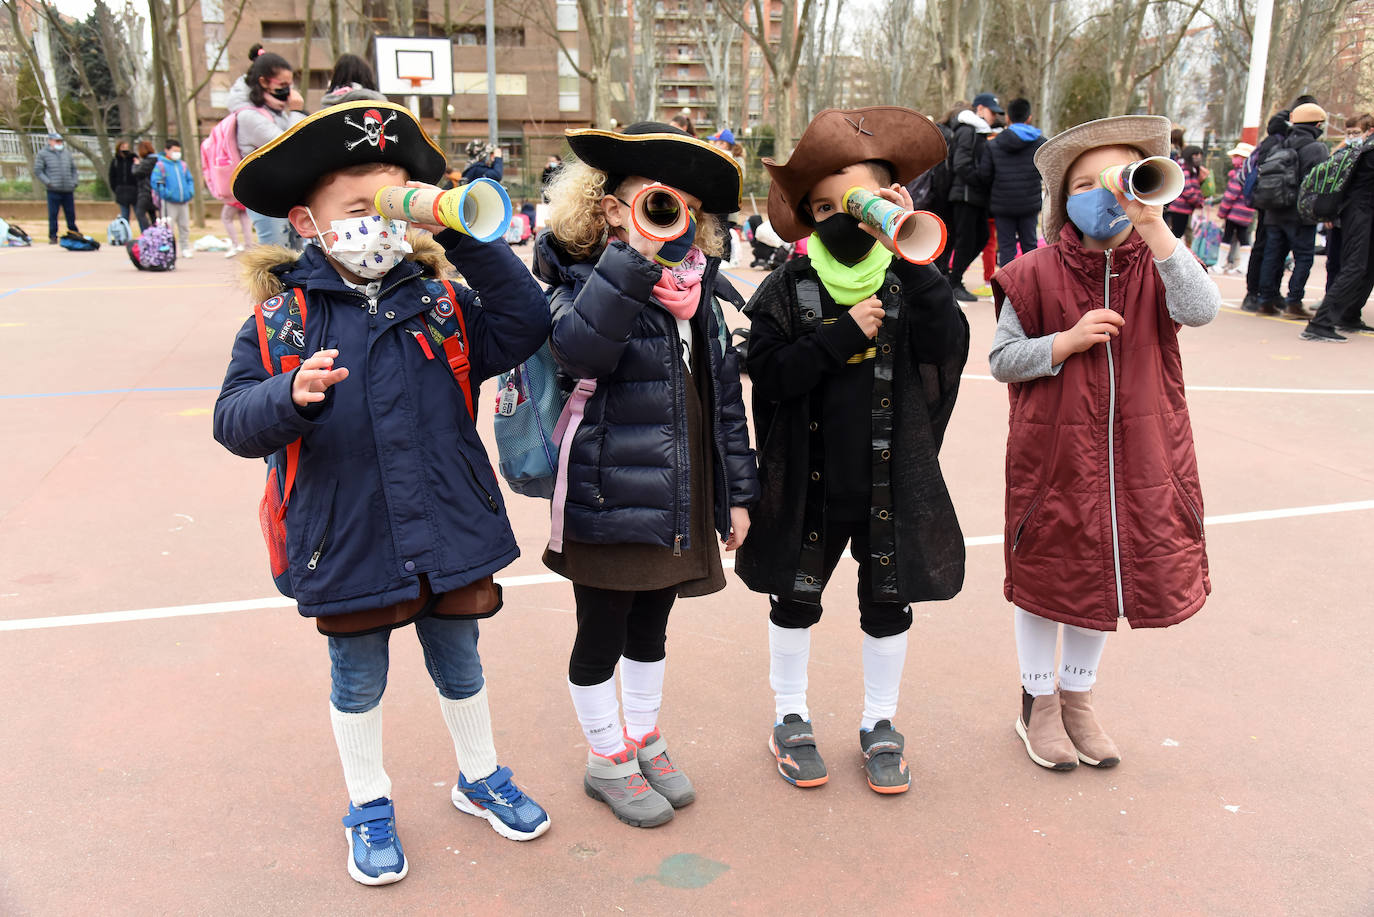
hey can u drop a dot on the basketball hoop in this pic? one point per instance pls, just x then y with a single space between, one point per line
414 66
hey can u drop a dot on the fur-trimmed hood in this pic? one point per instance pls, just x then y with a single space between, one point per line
262 267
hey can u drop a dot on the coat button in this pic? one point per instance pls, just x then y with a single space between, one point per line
815 475
810 581
887 348
424 299
885 560
814 536
884 515
391 315
894 289
809 315
814 426
410 566
886 403
886 455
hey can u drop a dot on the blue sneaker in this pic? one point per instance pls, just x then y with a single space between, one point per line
497 799
374 851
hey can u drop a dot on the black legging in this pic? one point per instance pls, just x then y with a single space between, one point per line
611 624
1177 222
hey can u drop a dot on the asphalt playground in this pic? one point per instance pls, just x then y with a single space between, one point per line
165 746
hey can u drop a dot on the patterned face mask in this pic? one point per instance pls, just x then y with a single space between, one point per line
368 246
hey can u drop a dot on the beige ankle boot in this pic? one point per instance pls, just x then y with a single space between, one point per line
1094 746
1041 727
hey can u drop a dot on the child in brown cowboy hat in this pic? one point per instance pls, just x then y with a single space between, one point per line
1103 509
855 359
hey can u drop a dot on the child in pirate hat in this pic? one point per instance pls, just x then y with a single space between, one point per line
346 376
855 360
1103 507
656 462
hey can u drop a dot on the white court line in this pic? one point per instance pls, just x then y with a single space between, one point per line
1240 388
515 582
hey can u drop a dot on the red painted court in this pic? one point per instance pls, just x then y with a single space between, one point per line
167 749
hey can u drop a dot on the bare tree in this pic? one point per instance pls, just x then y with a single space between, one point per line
718 36
782 60
596 20
646 59
1134 52
821 60
951 26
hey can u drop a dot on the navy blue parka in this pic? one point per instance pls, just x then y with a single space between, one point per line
393 480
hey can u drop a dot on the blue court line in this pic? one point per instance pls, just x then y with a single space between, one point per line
740 280
46 283
114 391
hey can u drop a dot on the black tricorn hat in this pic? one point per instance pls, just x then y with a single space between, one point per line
278 175
665 154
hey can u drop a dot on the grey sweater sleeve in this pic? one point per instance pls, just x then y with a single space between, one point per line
1190 295
1017 358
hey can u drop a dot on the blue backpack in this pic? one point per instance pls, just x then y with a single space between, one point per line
531 418
76 242
119 232
281 338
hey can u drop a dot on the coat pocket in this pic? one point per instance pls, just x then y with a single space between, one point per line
1191 510
318 541
1024 525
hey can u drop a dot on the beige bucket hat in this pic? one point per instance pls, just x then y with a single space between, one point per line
1147 133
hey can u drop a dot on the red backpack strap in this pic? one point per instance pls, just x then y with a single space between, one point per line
456 350
289 362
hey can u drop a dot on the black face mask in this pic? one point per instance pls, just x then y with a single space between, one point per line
125 153
842 237
281 94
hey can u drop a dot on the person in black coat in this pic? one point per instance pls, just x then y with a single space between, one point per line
123 184
656 460
1014 199
1285 231
1276 129
968 192
1345 298
145 210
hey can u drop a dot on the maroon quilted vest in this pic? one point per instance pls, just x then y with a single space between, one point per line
1104 514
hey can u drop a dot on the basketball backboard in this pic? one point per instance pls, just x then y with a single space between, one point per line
414 66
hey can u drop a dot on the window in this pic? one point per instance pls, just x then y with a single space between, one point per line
212 11
474 83
283 31
506 37
216 58
684 72
567 18
569 83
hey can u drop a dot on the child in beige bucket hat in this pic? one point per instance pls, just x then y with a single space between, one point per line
1104 515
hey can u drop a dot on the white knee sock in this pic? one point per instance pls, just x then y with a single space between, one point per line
883 661
359 737
789 650
599 714
641 695
1082 652
469 722
1035 640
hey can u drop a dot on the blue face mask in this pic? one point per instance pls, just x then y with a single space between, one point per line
673 252
1096 213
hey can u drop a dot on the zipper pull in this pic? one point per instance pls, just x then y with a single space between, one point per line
677 545
491 501
372 305
314 561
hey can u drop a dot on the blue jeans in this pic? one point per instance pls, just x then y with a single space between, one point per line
66 201
358 665
1009 230
271 230
1280 239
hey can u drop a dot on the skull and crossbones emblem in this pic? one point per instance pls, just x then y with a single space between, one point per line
373 128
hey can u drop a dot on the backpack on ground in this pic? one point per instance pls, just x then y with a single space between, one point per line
76 242
1323 189
219 156
532 414
281 336
155 249
11 235
119 232
1276 180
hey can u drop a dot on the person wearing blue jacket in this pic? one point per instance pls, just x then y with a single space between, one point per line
1014 198
484 162
656 459
172 182
396 515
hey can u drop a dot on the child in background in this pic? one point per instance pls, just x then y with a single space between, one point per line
1238 215
396 514
1104 515
236 223
661 462
855 359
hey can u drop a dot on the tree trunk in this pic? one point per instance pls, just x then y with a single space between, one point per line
159 87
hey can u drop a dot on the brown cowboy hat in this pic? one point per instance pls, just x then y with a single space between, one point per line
837 138
1147 133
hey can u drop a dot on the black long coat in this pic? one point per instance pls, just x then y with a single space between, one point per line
921 350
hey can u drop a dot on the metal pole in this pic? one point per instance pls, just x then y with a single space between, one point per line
491 73
1259 60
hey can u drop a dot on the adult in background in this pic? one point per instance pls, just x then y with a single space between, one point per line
484 161
1234 212
1276 131
174 186
352 81
55 168
1014 196
1286 231
272 106
1357 127
684 123
968 192
145 208
123 184
1341 308
1180 209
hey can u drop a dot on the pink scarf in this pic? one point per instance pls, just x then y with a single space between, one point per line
679 289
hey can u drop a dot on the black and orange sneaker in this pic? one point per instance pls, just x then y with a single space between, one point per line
884 762
794 745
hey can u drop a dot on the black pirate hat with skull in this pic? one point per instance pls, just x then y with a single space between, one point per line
278 176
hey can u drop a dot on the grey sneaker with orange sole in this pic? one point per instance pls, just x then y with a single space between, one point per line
884 761
794 746
661 773
619 783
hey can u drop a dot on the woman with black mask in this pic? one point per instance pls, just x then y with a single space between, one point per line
273 106
123 184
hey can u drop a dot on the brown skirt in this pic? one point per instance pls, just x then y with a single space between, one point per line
630 567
